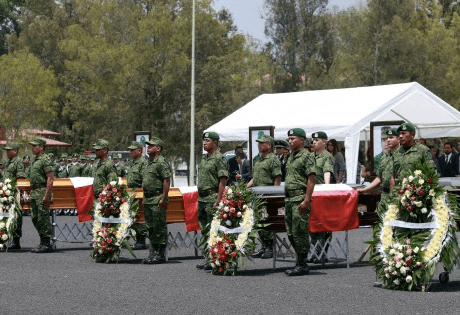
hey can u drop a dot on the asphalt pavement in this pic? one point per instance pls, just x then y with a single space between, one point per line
67 281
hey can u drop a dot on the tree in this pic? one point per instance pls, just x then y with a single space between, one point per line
27 93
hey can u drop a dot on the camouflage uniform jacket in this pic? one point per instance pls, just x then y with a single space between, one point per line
74 169
27 170
103 173
386 170
404 159
61 172
266 170
324 162
210 170
135 173
299 166
39 167
121 172
14 169
155 171
87 170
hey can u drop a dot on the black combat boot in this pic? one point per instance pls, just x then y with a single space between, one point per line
14 244
152 254
160 256
259 254
45 247
301 267
140 243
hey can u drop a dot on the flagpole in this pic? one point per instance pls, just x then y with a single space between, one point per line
192 115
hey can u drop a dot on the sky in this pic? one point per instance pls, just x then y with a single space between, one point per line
247 14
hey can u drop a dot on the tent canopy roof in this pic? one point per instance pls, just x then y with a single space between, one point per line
343 113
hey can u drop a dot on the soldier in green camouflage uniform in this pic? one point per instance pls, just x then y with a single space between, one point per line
324 168
155 182
74 168
409 152
41 185
26 161
103 170
87 169
60 171
212 178
14 170
299 186
134 180
267 172
383 179
121 172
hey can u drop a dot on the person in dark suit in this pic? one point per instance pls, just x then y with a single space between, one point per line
244 171
448 163
233 165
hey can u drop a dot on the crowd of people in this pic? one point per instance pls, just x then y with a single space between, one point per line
300 165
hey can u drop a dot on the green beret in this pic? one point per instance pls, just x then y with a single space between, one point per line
135 145
406 127
211 135
69 159
101 144
26 157
319 135
156 141
64 155
115 156
61 160
12 146
75 155
266 139
389 132
50 155
38 141
298 132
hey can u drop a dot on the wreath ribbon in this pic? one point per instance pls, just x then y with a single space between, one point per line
408 225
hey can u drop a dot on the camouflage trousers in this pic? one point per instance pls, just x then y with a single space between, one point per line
155 220
297 227
40 215
266 238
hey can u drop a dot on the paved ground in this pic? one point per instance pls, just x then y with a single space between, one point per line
68 282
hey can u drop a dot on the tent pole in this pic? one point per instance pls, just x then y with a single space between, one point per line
408 120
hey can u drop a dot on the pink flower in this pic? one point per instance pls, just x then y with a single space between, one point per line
409 251
407 241
396 258
224 216
239 214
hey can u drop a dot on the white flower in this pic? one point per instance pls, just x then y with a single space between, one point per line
432 193
424 210
418 203
392 251
403 270
408 279
113 183
117 199
418 172
2 225
411 178
421 181
8 193
4 237
407 193
398 265
229 191
228 222
9 186
221 204
396 281
226 209
1 192
416 249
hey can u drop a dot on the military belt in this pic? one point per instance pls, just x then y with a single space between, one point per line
152 193
295 192
207 192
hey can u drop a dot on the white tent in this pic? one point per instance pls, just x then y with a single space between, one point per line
344 114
